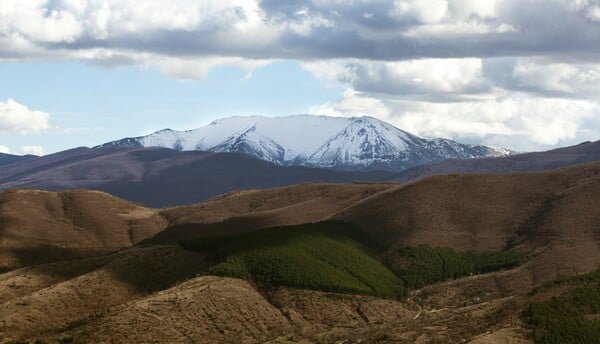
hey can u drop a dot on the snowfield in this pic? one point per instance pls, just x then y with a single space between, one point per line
316 141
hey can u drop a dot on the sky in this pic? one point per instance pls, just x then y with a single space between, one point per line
521 74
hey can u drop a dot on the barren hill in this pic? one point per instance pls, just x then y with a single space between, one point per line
158 290
41 226
252 209
551 213
119 298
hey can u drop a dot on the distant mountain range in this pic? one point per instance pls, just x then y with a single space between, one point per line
162 177
6 159
174 168
526 162
314 141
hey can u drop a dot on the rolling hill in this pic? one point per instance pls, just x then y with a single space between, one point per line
6 159
526 162
39 226
453 231
42 226
160 177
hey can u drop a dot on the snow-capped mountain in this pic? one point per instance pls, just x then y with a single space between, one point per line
317 141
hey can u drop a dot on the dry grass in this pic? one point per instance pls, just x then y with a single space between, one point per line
135 295
39 226
551 214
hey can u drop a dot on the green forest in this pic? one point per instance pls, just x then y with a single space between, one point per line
425 265
325 256
337 257
571 317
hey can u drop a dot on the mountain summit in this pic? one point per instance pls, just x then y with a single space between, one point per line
316 141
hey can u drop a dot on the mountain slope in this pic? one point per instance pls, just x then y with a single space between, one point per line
316 141
42 226
527 162
548 213
39 226
162 292
6 159
162 177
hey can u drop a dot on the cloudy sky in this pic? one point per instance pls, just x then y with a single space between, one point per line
523 74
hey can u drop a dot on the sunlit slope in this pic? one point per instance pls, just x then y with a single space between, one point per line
552 214
39 226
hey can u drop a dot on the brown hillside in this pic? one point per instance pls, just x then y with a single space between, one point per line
485 212
157 292
314 199
39 226
530 211
254 209
115 302
552 214
53 295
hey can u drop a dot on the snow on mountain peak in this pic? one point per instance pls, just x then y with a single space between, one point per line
320 141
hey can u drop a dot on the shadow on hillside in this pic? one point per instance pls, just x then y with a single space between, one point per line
176 233
153 268
56 259
152 265
49 265
146 269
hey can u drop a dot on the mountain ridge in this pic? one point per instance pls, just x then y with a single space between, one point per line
7 159
581 153
314 141
160 176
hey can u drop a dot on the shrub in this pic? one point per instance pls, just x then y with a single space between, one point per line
562 319
427 265
325 256
338 257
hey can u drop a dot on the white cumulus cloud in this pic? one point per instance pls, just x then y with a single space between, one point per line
353 103
4 149
37 22
18 118
418 77
576 80
516 121
34 150
521 72
422 11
